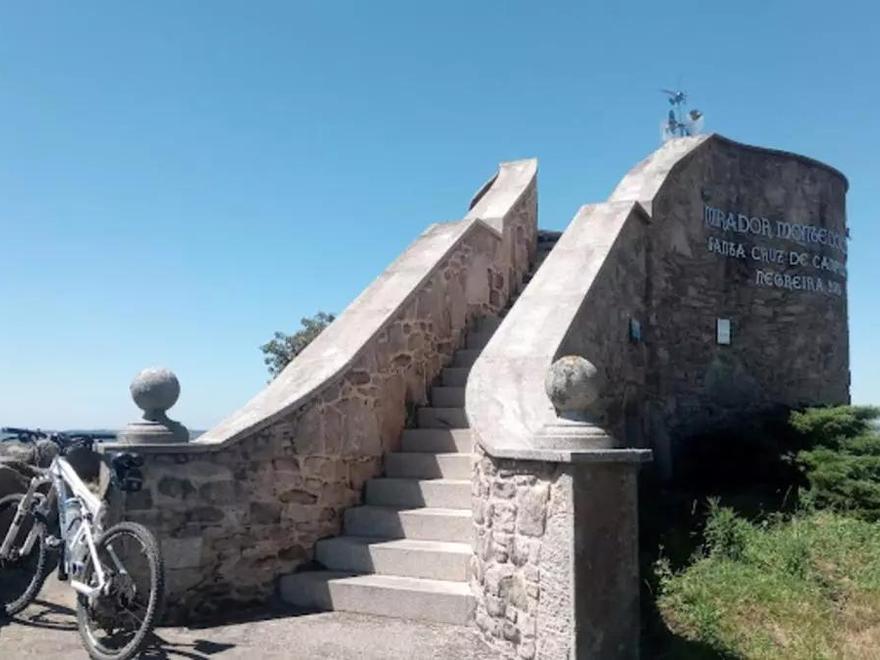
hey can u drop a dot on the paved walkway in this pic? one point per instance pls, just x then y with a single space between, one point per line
47 629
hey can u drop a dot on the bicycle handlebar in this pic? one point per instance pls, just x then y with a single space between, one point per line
70 443
24 433
60 437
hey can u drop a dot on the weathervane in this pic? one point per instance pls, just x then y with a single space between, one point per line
679 123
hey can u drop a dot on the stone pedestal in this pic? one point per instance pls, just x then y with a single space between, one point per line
555 570
574 435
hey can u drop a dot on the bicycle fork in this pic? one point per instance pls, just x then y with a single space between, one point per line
20 512
84 533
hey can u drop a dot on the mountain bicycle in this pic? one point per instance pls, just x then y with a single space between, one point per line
117 573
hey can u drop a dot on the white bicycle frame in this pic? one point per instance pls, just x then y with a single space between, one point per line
66 483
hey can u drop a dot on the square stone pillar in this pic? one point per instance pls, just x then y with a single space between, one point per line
555 568
605 555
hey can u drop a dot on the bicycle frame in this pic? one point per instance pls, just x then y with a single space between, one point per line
66 484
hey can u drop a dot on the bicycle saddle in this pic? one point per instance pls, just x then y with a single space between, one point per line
126 460
126 473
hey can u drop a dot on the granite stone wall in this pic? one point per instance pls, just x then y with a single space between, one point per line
555 570
233 518
759 238
521 571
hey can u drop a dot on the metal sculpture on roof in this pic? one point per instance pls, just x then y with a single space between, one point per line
679 122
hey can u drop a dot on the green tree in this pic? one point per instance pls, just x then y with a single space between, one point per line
282 348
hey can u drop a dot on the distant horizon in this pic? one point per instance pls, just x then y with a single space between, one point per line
194 433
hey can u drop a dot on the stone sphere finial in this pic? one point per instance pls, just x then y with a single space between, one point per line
155 389
572 383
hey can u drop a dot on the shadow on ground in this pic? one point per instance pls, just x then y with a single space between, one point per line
159 648
47 615
235 613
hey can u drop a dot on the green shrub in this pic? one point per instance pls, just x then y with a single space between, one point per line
726 534
841 461
827 427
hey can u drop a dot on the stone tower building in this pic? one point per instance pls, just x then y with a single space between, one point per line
741 302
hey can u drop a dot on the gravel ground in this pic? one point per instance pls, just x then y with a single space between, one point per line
47 629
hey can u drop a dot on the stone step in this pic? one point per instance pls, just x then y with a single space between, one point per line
478 339
385 595
454 376
447 397
431 417
421 465
430 560
403 493
488 324
549 235
438 440
465 357
426 523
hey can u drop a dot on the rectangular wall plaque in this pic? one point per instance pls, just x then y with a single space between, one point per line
722 330
635 330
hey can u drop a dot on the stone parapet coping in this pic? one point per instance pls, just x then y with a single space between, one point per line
643 182
623 455
329 356
611 455
156 448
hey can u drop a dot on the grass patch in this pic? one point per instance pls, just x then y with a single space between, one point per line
801 587
789 567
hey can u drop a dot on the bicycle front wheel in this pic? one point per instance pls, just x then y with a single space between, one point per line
115 623
22 573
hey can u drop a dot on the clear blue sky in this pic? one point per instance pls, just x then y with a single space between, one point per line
180 179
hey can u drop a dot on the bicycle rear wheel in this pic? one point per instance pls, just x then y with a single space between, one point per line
115 624
22 574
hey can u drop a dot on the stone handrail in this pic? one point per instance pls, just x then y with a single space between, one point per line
507 405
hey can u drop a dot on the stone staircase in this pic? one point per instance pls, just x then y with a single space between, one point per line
406 552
